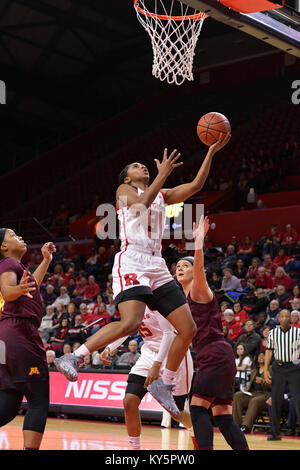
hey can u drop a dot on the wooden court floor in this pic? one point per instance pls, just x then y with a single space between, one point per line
69 434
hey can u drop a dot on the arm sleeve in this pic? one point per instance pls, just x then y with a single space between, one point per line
116 344
167 339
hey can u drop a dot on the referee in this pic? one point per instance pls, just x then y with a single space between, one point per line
284 342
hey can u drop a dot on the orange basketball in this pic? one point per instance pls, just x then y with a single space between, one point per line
211 126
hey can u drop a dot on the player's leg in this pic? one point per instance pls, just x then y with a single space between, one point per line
10 403
171 302
222 413
134 394
37 395
131 313
203 428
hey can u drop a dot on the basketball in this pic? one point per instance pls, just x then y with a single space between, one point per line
211 126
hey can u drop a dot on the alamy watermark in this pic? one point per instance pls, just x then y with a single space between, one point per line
149 224
2 92
296 94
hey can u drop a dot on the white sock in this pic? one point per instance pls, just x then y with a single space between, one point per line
135 442
82 351
168 376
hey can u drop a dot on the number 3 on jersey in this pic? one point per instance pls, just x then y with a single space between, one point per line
131 279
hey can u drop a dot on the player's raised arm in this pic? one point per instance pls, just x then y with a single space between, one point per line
200 290
184 191
127 196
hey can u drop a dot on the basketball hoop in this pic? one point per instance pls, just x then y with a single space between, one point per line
173 37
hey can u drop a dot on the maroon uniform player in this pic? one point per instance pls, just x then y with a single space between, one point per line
213 384
23 366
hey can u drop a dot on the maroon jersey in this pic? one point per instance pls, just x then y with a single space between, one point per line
23 307
214 356
208 320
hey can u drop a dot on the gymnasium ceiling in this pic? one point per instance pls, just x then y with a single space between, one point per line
70 63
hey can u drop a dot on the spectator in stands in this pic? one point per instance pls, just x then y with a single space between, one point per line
129 358
295 318
240 315
60 335
234 327
261 302
71 311
99 312
76 333
294 304
50 356
87 363
264 334
46 326
289 238
230 257
243 366
49 295
272 243
215 282
261 320
296 291
71 287
96 306
250 338
63 298
281 277
91 290
226 331
246 250
252 269
255 403
282 258
67 349
240 270
79 290
60 313
282 296
269 266
260 204
111 308
230 282
263 279
273 308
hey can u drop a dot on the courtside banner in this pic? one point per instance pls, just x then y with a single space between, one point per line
94 390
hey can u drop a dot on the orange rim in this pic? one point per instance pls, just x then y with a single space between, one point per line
195 16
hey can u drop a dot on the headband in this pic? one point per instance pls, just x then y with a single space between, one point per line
190 259
2 234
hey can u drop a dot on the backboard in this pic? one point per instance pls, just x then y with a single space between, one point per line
278 27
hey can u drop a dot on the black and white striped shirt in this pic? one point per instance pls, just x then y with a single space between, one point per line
285 344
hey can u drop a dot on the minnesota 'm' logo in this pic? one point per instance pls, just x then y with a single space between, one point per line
34 370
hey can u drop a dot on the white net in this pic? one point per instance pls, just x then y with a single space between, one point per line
174 29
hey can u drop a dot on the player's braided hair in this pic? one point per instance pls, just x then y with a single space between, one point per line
123 174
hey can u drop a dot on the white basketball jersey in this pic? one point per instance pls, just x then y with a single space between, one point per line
143 229
150 330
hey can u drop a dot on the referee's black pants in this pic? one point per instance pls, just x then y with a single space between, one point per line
285 375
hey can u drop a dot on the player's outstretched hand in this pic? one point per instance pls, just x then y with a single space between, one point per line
104 357
153 374
168 163
47 251
200 232
25 286
223 140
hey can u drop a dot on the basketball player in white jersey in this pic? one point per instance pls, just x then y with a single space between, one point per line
158 335
140 274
